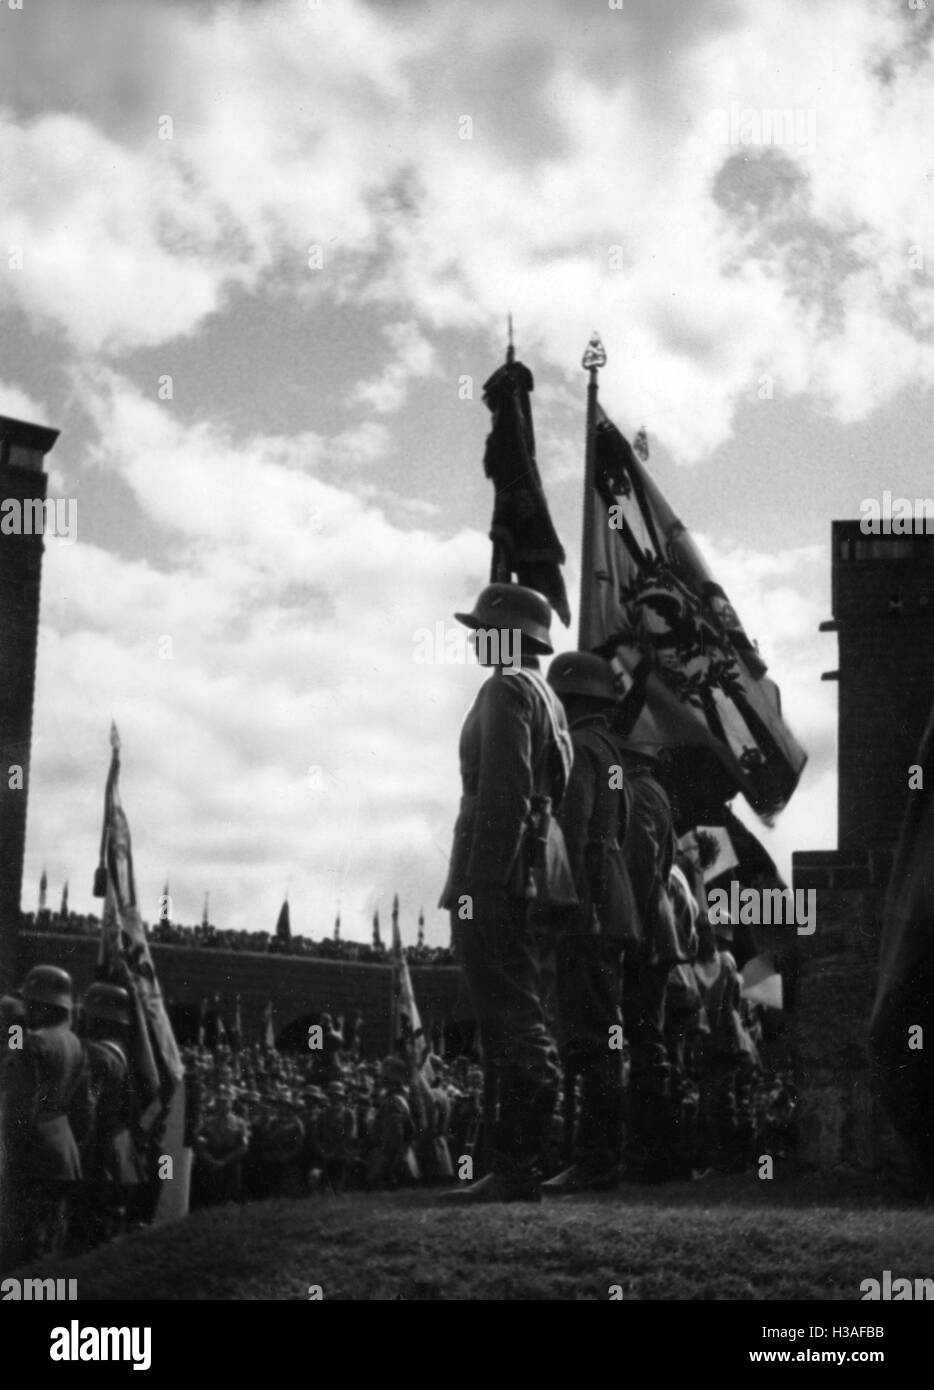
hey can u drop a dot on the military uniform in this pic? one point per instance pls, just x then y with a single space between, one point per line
113 1170
515 757
729 1064
590 945
47 1115
336 1133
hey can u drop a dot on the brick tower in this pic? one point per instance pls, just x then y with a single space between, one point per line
22 479
883 615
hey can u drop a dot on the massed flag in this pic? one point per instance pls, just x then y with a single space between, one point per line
406 1020
658 614
125 957
525 543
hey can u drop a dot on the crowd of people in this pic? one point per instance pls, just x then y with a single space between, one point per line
207 936
80 1168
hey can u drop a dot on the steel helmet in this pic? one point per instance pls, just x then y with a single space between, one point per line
108 1002
583 673
395 1069
47 984
508 606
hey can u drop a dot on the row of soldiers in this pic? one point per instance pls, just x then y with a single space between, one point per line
565 865
73 1150
343 1136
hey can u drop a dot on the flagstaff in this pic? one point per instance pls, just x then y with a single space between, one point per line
594 358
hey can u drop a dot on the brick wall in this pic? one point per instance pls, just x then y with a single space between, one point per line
22 449
883 606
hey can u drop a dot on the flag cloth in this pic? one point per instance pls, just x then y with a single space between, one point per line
124 955
902 1022
762 984
269 1031
406 1020
125 959
658 614
284 923
525 543
236 1040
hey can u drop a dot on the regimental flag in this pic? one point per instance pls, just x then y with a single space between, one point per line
658 614
202 1022
525 543
125 957
269 1031
284 923
236 1040
406 1020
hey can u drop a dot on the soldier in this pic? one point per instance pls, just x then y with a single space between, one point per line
515 756
113 1170
591 938
336 1134
283 1147
729 1062
221 1148
47 1117
393 1159
617 822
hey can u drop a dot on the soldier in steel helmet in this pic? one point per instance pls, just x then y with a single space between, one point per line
113 1167
508 851
617 824
47 1116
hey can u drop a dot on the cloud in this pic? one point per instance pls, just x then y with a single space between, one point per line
20 405
412 358
582 189
275 722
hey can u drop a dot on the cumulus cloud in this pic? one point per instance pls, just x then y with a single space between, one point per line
275 722
338 131
416 170
411 356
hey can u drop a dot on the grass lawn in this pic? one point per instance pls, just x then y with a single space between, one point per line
722 1238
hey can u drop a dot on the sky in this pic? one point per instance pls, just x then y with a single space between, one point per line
255 265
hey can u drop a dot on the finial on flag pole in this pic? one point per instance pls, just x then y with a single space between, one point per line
594 353
593 359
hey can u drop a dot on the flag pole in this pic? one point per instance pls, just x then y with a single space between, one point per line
594 358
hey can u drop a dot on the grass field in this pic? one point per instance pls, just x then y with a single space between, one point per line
723 1238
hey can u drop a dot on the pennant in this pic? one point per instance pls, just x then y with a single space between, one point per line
406 1019
658 615
525 543
284 923
125 956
